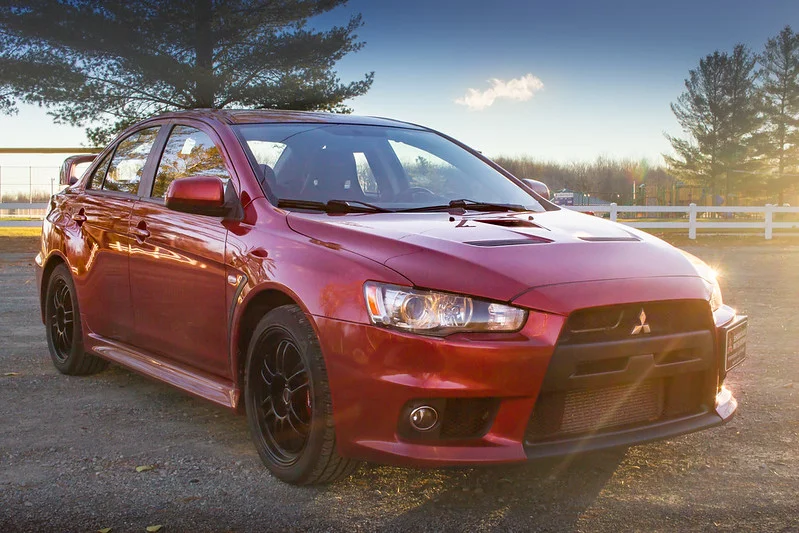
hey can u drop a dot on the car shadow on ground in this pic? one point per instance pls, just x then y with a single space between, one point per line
540 494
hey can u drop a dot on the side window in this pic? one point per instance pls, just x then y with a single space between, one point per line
188 152
124 173
96 181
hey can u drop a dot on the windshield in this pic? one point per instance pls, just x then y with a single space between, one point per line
385 168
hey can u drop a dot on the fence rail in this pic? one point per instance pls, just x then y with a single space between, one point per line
695 216
694 212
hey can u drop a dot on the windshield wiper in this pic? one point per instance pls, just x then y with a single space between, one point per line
465 203
334 206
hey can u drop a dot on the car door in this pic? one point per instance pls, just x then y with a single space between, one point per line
177 270
102 210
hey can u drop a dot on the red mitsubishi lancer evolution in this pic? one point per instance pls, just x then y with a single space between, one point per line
368 289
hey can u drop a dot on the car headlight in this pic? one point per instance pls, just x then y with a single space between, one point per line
437 313
710 275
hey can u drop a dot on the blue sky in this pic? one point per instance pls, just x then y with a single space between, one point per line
606 71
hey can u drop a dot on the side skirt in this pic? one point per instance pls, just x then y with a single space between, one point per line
212 388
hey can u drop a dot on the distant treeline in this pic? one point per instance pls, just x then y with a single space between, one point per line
611 180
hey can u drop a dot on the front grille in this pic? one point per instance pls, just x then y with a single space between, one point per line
565 414
617 322
592 410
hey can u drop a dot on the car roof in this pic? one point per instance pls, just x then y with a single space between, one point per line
263 116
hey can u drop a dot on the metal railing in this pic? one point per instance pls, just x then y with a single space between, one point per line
702 217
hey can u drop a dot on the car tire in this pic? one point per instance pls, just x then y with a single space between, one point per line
287 399
64 328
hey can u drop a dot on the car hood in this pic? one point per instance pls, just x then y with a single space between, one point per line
496 255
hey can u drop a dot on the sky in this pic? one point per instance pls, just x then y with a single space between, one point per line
564 81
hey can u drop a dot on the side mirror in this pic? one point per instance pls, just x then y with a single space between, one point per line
538 186
201 195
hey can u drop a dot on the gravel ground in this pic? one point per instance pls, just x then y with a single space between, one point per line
69 447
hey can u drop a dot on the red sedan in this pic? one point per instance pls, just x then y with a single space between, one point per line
367 289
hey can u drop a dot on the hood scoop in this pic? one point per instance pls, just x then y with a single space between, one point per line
510 242
507 222
615 238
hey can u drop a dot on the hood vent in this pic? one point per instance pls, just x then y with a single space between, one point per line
631 238
510 242
507 222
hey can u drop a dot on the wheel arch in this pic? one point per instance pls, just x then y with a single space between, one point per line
50 264
257 303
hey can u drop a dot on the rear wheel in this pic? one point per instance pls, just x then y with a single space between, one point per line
64 331
288 401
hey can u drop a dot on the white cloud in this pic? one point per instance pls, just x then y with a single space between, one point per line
519 89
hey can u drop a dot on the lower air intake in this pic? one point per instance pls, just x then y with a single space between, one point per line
591 410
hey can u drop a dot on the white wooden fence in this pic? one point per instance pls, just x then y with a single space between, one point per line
696 214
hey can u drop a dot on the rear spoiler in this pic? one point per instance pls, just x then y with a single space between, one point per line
68 174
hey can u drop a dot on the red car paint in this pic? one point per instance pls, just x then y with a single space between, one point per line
173 296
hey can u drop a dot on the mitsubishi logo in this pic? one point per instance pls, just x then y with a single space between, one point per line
643 327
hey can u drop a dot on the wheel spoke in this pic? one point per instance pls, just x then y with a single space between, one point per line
293 414
301 386
266 375
296 374
63 346
280 357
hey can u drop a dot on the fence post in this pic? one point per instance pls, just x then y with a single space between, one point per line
30 184
769 221
613 212
692 221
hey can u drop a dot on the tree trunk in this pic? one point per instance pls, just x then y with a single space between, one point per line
205 92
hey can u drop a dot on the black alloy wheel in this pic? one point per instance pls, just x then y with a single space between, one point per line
61 320
287 399
64 328
283 396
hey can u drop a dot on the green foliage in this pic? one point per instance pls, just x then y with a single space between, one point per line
114 63
779 140
719 112
611 180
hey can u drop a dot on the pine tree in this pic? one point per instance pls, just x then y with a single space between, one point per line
719 112
113 63
779 71
742 119
701 112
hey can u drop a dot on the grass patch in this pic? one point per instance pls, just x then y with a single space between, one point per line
20 231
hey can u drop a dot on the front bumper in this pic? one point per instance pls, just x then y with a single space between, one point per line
374 373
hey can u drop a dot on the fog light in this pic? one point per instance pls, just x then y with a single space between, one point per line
424 418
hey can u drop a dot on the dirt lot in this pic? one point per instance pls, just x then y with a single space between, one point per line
69 447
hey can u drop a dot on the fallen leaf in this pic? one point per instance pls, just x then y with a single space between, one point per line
145 468
104 530
11 374
153 529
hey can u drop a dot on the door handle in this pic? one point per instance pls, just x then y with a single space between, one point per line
79 217
140 231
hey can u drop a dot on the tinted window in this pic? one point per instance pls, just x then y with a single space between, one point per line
395 168
127 166
188 152
96 181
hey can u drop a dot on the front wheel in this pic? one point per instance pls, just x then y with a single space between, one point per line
288 404
64 332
